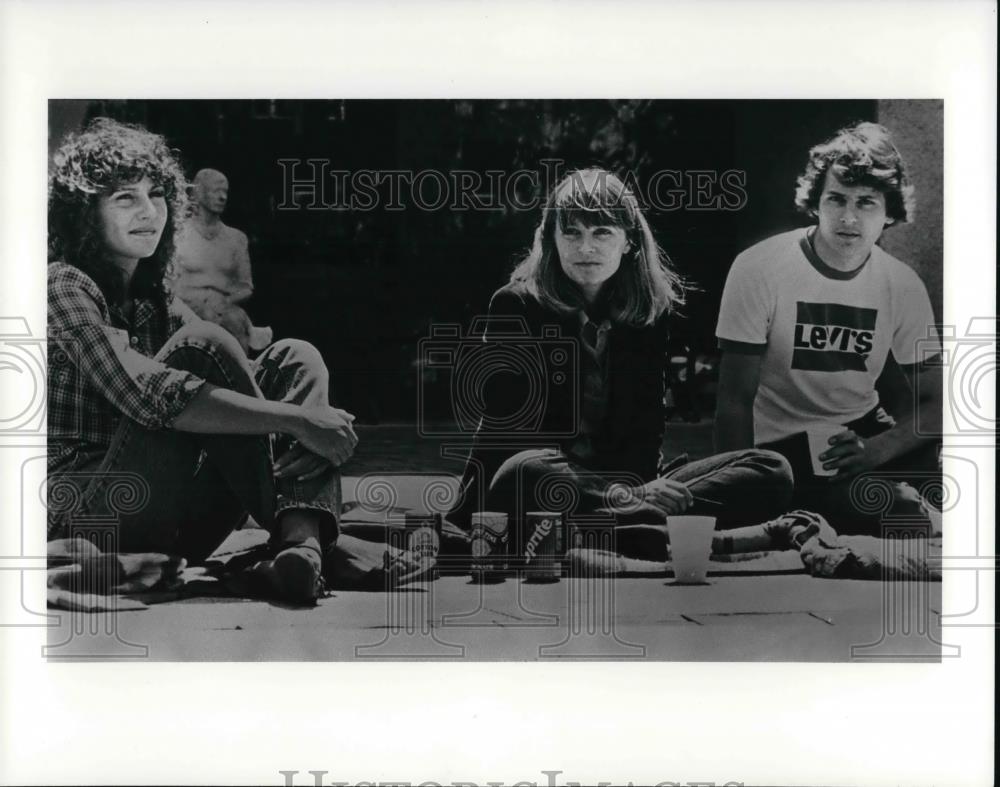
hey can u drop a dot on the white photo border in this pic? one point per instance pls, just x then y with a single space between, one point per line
645 723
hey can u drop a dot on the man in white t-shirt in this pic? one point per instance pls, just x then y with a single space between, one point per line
808 321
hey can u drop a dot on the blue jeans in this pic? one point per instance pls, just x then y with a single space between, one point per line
846 505
193 490
859 506
737 487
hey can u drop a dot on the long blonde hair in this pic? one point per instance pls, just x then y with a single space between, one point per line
642 289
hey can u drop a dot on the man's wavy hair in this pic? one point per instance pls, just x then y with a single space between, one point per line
102 158
860 155
642 289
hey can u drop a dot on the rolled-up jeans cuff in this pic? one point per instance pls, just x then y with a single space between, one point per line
321 494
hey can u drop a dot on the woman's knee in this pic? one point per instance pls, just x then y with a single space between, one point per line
293 370
212 353
782 477
775 474
777 466
298 352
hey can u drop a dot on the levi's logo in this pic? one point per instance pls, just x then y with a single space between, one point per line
831 337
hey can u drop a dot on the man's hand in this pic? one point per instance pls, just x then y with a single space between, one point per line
671 497
326 432
849 455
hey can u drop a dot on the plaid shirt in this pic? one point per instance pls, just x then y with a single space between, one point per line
101 368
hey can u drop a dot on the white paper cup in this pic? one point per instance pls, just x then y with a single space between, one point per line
690 547
819 441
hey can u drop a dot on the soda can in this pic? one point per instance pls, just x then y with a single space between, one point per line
490 538
418 533
544 547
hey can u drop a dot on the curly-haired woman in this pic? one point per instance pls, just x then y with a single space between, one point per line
157 420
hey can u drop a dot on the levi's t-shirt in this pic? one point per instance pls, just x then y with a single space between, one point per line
823 334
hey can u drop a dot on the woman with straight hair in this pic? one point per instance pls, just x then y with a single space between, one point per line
579 405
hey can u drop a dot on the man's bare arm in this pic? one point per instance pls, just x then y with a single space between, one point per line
917 424
739 377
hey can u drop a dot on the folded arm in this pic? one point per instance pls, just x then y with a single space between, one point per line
916 425
157 396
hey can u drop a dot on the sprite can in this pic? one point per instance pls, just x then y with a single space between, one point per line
544 546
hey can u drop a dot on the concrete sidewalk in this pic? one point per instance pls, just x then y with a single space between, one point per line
756 618
779 616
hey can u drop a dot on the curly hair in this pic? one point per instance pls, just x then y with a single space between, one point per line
860 155
102 158
642 289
